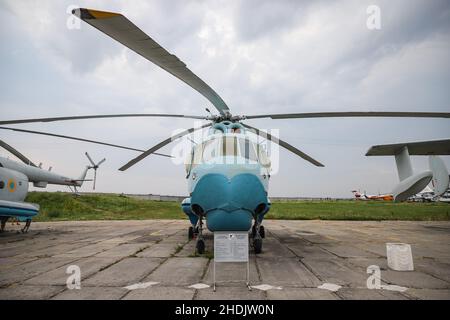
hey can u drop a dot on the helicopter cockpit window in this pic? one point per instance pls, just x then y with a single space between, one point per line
196 158
229 146
247 149
264 159
225 146
210 150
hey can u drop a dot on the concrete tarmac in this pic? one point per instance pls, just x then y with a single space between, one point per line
153 259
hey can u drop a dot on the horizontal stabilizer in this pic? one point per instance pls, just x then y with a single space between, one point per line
423 148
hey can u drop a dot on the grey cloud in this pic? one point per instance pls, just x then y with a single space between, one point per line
255 18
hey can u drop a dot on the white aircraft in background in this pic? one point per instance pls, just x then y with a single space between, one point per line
426 195
411 183
445 197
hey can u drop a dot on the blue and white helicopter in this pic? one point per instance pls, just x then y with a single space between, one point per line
228 173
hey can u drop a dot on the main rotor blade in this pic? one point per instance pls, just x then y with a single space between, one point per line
124 31
16 153
99 116
160 145
284 145
79 139
351 114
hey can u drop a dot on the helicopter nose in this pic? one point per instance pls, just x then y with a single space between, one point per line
229 204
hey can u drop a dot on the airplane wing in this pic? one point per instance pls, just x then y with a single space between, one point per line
422 148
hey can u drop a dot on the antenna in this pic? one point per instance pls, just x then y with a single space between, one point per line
94 166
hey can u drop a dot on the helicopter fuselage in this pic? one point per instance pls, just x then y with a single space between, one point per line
228 177
14 182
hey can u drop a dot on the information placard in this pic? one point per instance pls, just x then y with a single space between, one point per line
231 246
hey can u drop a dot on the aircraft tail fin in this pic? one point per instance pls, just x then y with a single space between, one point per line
82 178
403 162
410 183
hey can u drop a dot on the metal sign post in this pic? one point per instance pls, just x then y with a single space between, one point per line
231 246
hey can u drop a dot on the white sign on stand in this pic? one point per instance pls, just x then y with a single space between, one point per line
231 246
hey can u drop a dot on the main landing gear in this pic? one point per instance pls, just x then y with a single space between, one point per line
258 233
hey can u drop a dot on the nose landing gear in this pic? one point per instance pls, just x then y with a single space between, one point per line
258 233
191 233
197 233
200 245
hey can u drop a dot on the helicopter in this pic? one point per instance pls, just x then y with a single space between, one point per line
228 173
14 182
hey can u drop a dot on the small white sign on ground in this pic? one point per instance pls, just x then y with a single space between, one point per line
231 246
399 256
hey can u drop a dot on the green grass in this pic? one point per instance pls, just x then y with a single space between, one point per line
65 206
59 206
358 210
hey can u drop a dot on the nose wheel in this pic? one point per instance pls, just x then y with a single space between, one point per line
258 233
257 245
200 245
262 231
191 233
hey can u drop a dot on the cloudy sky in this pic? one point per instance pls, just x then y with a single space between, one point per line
260 56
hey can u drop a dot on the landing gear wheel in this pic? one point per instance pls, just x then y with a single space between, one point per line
257 245
191 233
200 246
262 232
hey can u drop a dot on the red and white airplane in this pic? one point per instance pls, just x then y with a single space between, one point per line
365 197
